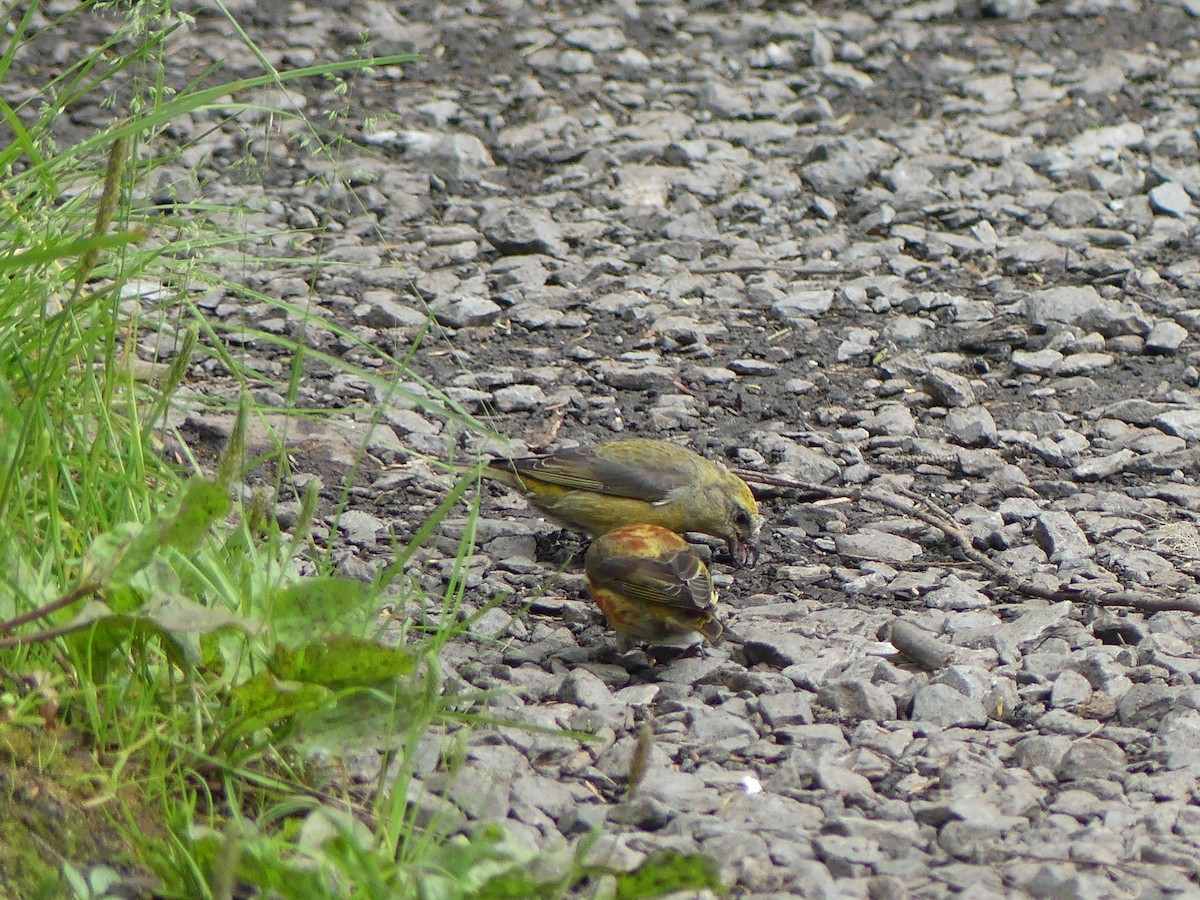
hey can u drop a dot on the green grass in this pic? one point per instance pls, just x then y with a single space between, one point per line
164 660
175 694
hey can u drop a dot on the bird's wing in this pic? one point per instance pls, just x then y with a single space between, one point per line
648 477
677 579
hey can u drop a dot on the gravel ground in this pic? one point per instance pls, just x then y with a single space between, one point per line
937 256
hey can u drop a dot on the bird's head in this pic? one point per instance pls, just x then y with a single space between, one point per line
740 519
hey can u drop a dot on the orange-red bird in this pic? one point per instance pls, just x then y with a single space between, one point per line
652 587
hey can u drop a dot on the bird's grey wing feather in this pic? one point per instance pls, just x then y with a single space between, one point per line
583 468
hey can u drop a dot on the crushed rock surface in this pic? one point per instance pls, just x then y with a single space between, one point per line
947 248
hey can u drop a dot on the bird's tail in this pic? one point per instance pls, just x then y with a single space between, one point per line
499 470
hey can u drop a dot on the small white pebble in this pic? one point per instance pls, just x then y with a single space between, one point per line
881 648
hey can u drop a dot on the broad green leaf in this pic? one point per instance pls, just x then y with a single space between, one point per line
92 611
310 608
180 615
362 720
266 701
157 578
176 620
22 586
203 503
342 661
117 555
107 634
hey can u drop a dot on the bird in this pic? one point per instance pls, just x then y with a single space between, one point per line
652 587
638 481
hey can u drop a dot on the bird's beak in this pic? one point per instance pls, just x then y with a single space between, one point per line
745 550
744 553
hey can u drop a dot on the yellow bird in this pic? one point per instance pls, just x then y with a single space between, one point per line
638 481
652 587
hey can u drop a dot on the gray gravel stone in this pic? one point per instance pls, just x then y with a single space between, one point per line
1084 364
1171 199
847 857
492 624
604 39
971 427
1041 752
518 229
792 708
843 782
582 688
958 595
1063 304
457 158
1092 758
711 727
753 367
699 229
1166 337
1073 208
891 419
1184 423
801 304
1040 362
1178 739
1100 468
857 700
1070 690
381 309
360 528
465 308
878 546
1058 534
517 397
940 704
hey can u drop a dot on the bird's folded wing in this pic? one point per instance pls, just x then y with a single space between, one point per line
583 468
675 579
